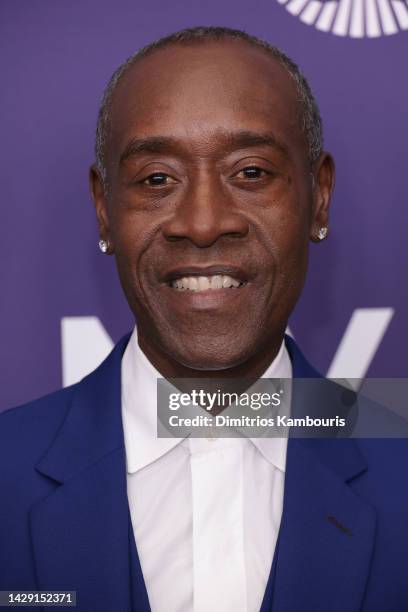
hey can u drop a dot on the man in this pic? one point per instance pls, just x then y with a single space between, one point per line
210 181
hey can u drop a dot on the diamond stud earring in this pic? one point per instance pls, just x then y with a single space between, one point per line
322 233
103 245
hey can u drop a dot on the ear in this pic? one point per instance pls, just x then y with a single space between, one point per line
323 184
97 189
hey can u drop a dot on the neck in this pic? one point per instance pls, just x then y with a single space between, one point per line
253 367
236 379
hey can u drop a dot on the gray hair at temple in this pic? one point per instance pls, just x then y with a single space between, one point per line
310 120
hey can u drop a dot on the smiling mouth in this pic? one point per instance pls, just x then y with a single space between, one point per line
206 283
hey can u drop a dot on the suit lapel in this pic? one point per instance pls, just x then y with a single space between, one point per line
80 537
80 532
327 533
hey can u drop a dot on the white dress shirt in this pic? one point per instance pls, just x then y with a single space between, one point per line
205 512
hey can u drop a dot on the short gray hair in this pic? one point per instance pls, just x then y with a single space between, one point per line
311 123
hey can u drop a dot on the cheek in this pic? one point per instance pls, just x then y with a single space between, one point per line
292 267
287 240
284 228
129 240
130 233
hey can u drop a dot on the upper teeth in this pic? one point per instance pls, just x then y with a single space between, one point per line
202 283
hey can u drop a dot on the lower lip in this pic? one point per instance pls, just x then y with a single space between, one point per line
209 299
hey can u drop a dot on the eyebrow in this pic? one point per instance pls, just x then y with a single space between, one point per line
241 139
246 139
152 144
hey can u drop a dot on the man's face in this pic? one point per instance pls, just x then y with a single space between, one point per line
210 203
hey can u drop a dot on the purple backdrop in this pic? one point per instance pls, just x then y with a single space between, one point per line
55 58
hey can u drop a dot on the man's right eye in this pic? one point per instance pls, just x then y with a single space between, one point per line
157 179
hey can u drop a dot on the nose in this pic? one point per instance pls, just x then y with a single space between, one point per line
205 213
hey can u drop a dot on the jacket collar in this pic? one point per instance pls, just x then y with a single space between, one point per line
348 463
93 426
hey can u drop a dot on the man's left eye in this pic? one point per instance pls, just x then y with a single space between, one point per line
157 179
251 172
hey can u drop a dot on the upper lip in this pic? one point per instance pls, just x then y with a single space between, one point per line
194 270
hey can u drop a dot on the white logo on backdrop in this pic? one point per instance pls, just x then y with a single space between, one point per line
85 343
353 18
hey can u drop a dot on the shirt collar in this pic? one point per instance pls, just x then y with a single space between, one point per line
274 449
139 413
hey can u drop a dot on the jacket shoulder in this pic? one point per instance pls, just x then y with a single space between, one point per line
27 431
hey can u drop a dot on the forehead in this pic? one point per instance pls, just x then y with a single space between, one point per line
191 92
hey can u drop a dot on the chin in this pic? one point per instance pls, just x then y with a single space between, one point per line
209 355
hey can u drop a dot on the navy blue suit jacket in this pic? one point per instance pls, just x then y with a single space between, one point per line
65 523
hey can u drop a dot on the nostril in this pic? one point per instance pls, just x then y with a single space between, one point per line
171 238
